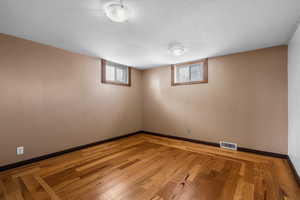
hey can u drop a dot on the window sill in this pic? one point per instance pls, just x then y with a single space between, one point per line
116 83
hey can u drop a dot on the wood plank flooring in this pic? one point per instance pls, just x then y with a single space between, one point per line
144 167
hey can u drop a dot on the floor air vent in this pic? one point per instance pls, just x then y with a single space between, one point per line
228 145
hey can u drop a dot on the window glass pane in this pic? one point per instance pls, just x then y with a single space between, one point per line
183 74
196 72
110 72
121 75
125 74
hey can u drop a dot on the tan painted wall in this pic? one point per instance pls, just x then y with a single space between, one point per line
245 101
51 100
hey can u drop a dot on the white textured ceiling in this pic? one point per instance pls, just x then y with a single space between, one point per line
205 27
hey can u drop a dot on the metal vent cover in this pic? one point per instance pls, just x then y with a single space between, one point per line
228 145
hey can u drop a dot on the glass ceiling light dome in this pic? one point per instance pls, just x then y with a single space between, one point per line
177 49
116 11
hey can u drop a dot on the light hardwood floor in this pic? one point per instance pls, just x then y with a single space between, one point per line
144 167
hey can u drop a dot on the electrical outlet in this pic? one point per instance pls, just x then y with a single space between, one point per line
20 150
188 131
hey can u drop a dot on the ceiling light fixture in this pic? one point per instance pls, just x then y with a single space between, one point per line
116 11
177 49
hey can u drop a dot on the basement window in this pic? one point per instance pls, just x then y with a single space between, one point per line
114 73
190 73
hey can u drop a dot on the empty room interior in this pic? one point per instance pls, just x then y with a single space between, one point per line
150 100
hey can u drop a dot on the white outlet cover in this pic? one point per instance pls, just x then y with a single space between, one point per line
20 150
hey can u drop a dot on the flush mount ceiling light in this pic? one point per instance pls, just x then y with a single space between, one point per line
177 49
116 11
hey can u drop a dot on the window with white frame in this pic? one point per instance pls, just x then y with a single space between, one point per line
190 73
114 73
